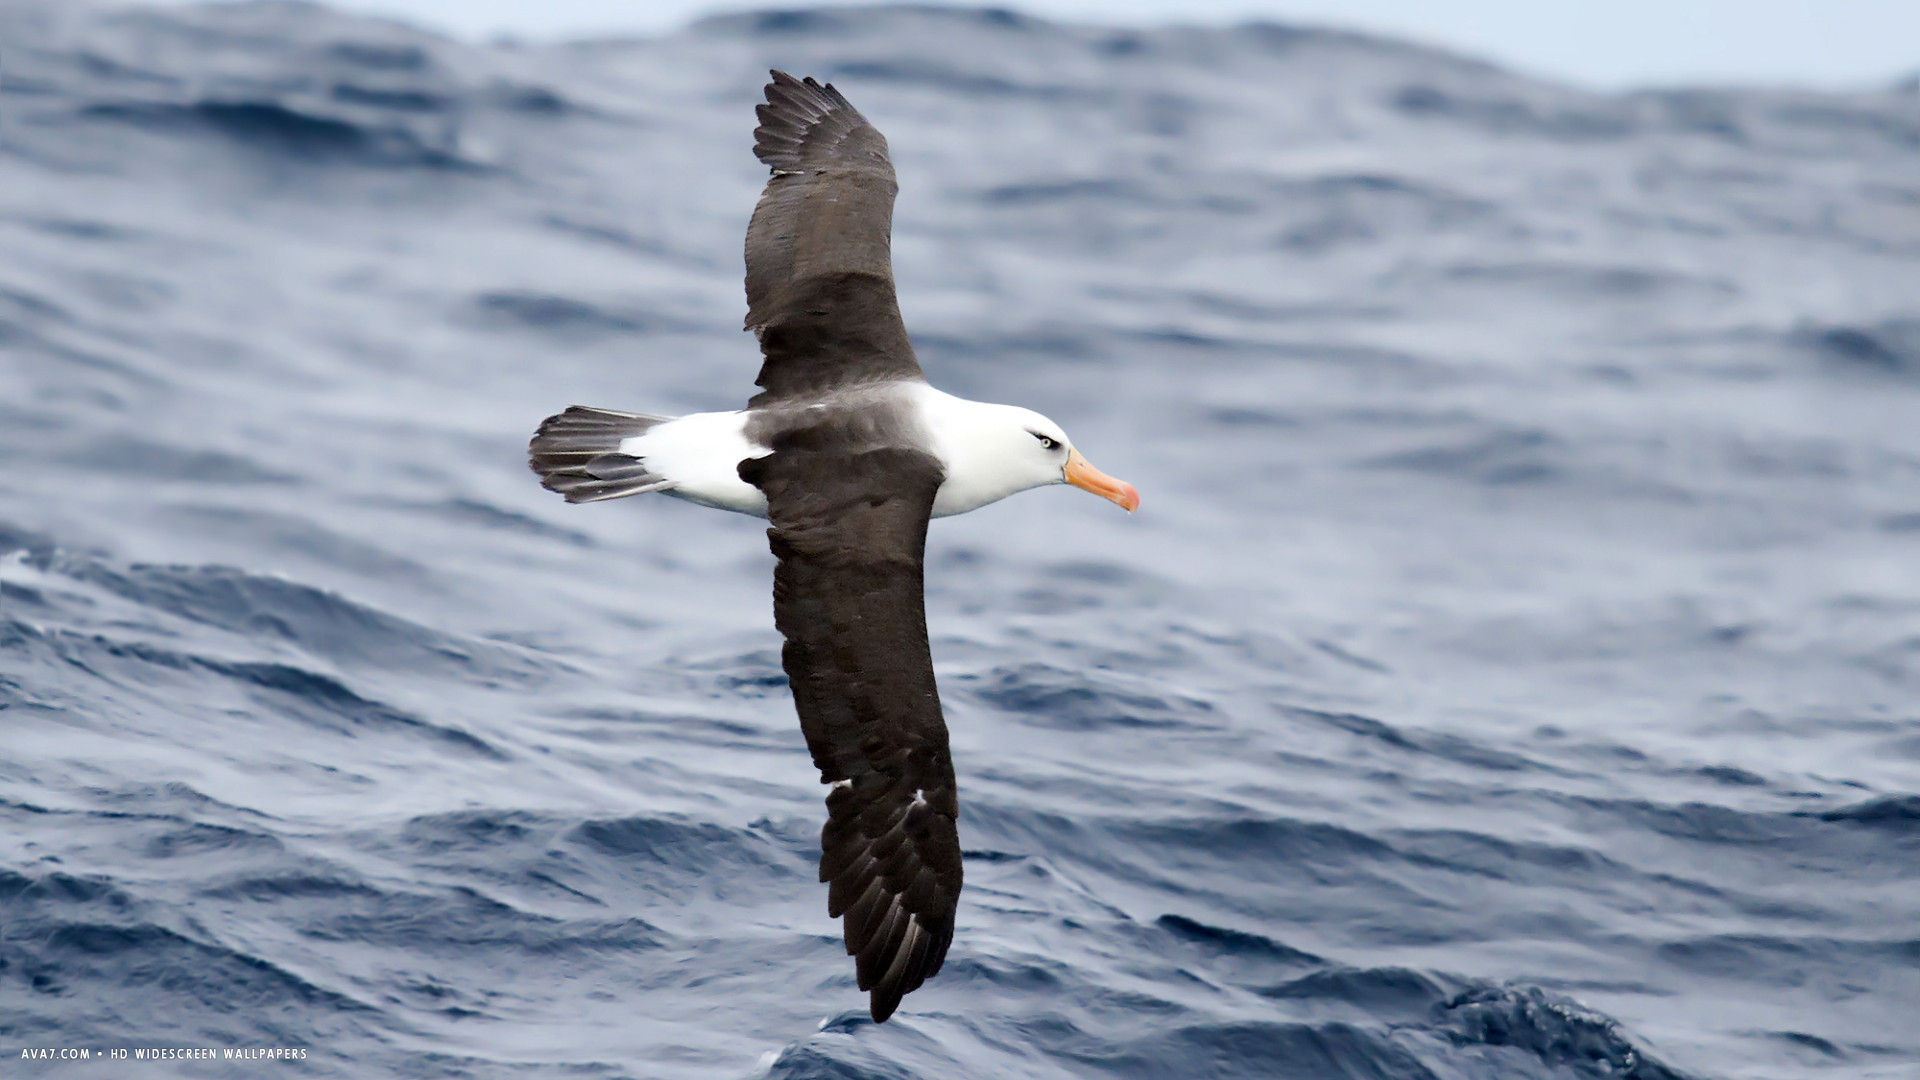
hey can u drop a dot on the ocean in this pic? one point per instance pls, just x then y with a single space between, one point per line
1510 675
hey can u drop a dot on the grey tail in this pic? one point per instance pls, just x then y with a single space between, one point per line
577 453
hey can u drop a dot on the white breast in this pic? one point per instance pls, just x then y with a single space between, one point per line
987 451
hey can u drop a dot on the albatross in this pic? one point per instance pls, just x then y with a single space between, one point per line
847 452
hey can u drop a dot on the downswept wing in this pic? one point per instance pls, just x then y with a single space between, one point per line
849 531
819 261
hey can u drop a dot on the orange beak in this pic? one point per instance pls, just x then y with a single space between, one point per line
1081 474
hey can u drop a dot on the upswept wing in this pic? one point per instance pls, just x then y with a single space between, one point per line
849 531
819 263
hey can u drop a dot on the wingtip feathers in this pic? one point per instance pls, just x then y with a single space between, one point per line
915 955
793 108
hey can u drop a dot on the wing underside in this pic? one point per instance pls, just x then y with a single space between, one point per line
820 291
849 531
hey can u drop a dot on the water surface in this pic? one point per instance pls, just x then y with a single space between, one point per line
1510 675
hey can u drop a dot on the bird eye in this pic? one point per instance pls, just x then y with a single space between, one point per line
1046 442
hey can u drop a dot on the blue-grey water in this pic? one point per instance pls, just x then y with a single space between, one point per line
1512 673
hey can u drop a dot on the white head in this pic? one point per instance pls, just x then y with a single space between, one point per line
992 451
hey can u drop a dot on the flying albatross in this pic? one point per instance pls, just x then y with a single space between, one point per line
848 452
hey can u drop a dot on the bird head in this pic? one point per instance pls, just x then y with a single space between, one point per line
997 450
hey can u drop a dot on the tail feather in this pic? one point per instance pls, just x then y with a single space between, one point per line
577 453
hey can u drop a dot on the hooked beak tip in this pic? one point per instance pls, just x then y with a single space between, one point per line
1081 474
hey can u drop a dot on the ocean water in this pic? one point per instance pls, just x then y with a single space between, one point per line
1512 673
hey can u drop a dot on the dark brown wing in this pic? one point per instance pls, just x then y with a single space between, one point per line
849 530
819 265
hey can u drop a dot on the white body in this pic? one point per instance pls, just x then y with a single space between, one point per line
701 453
988 452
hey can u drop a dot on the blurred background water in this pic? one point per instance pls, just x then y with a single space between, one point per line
1510 675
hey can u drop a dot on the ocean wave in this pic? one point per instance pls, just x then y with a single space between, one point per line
1508 677
276 128
1890 348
